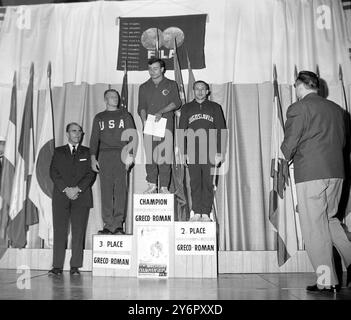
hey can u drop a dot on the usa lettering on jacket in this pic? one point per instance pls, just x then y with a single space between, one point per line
200 116
111 124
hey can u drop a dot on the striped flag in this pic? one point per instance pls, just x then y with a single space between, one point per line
281 204
22 210
124 92
178 169
41 187
9 163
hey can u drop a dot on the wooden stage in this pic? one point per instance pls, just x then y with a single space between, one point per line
261 286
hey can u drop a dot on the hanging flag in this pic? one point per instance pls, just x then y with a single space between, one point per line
124 93
142 38
191 80
281 204
22 210
9 163
178 169
41 187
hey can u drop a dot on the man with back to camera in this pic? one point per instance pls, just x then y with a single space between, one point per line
314 140
205 115
111 159
159 97
72 199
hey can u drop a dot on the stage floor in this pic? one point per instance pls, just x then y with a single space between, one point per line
287 286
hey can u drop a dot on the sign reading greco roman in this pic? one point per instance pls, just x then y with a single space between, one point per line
153 208
139 37
195 238
111 260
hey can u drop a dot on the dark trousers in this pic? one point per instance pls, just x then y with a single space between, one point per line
159 155
201 188
63 213
113 183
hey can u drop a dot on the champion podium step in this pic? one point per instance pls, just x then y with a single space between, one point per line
159 246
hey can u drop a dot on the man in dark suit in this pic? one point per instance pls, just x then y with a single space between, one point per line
72 199
314 140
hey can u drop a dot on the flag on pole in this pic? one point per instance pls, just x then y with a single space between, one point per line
191 80
178 169
41 187
157 44
22 210
281 204
9 163
124 93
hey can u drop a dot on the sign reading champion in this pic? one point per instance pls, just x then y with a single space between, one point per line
150 210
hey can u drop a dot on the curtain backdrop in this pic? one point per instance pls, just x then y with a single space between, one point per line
243 190
244 38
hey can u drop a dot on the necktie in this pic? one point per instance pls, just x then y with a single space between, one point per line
74 151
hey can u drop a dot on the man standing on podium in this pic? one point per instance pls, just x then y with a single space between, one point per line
159 97
113 146
204 148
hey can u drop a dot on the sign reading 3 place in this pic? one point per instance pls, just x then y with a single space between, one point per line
112 251
112 243
198 238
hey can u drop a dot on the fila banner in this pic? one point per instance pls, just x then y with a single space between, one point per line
141 38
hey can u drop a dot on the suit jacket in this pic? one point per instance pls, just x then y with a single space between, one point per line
66 171
315 138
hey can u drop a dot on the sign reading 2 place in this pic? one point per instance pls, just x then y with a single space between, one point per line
140 36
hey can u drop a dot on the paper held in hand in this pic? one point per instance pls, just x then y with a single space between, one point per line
154 128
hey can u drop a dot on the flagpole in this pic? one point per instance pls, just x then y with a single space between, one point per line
280 115
157 45
32 75
341 78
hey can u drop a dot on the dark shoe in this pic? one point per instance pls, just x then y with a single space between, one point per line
119 231
105 231
332 289
348 279
74 271
55 272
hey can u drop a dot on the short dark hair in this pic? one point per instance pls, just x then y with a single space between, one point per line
201 81
112 90
309 78
160 61
73 123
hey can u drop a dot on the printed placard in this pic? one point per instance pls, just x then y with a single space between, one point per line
112 243
154 201
195 238
151 209
153 252
111 260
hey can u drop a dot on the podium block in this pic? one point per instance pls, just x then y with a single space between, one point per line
113 255
153 230
159 247
195 250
